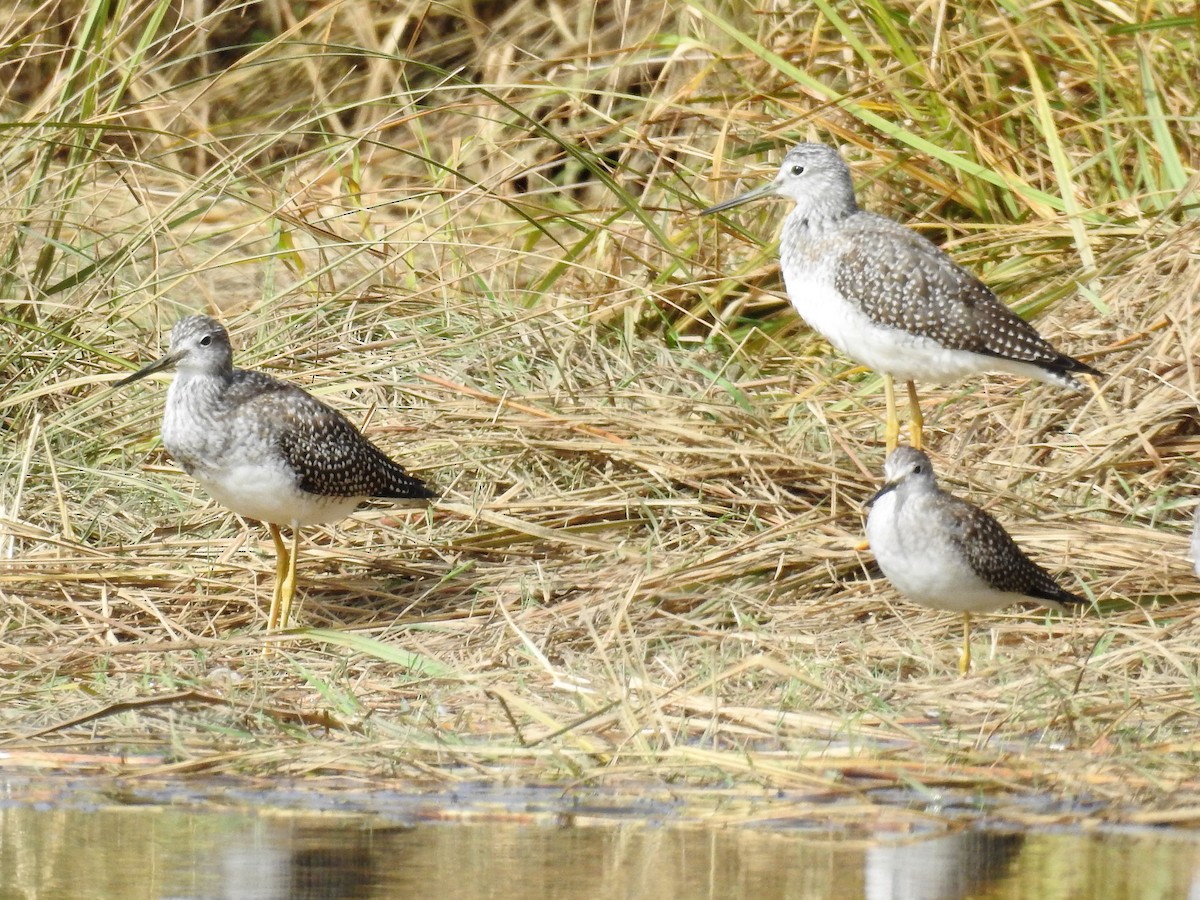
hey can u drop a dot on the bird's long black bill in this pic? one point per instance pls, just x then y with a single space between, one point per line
157 366
767 190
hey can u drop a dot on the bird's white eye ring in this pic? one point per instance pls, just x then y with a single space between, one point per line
797 170
206 340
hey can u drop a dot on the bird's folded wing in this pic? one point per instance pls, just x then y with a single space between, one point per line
899 278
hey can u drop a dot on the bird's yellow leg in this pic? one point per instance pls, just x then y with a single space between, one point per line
916 421
282 564
288 593
891 429
964 661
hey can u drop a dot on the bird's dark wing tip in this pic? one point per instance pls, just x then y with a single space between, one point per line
404 486
1056 594
425 492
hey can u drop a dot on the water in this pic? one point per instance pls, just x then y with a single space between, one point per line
71 840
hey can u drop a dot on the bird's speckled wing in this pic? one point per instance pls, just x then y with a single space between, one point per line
995 557
328 454
901 279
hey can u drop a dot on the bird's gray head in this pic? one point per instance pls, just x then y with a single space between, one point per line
814 177
906 466
199 345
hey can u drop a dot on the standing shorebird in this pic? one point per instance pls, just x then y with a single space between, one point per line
267 449
945 553
889 298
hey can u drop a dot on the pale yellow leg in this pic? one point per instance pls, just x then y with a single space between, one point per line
282 564
964 661
288 591
891 429
916 421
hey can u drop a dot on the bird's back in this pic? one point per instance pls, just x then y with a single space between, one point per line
995 557
328 454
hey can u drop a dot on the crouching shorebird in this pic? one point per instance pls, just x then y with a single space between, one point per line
267 449
889 298
945 553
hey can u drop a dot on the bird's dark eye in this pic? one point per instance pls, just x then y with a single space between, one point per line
918 469
206 340
797 170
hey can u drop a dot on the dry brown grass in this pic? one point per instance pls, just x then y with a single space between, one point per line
644 568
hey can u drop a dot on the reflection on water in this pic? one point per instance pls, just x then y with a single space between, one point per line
71 851
965 864
304 862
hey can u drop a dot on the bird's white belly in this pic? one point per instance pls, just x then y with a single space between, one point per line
885 349
268 495
924 569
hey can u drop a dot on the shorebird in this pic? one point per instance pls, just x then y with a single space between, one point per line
889 298
267 449
945 553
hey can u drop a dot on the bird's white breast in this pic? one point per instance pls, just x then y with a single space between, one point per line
264 493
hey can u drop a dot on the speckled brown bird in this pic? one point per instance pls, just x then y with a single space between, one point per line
267 449
888 297
945 553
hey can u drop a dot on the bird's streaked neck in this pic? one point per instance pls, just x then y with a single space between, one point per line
195 385
820 212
